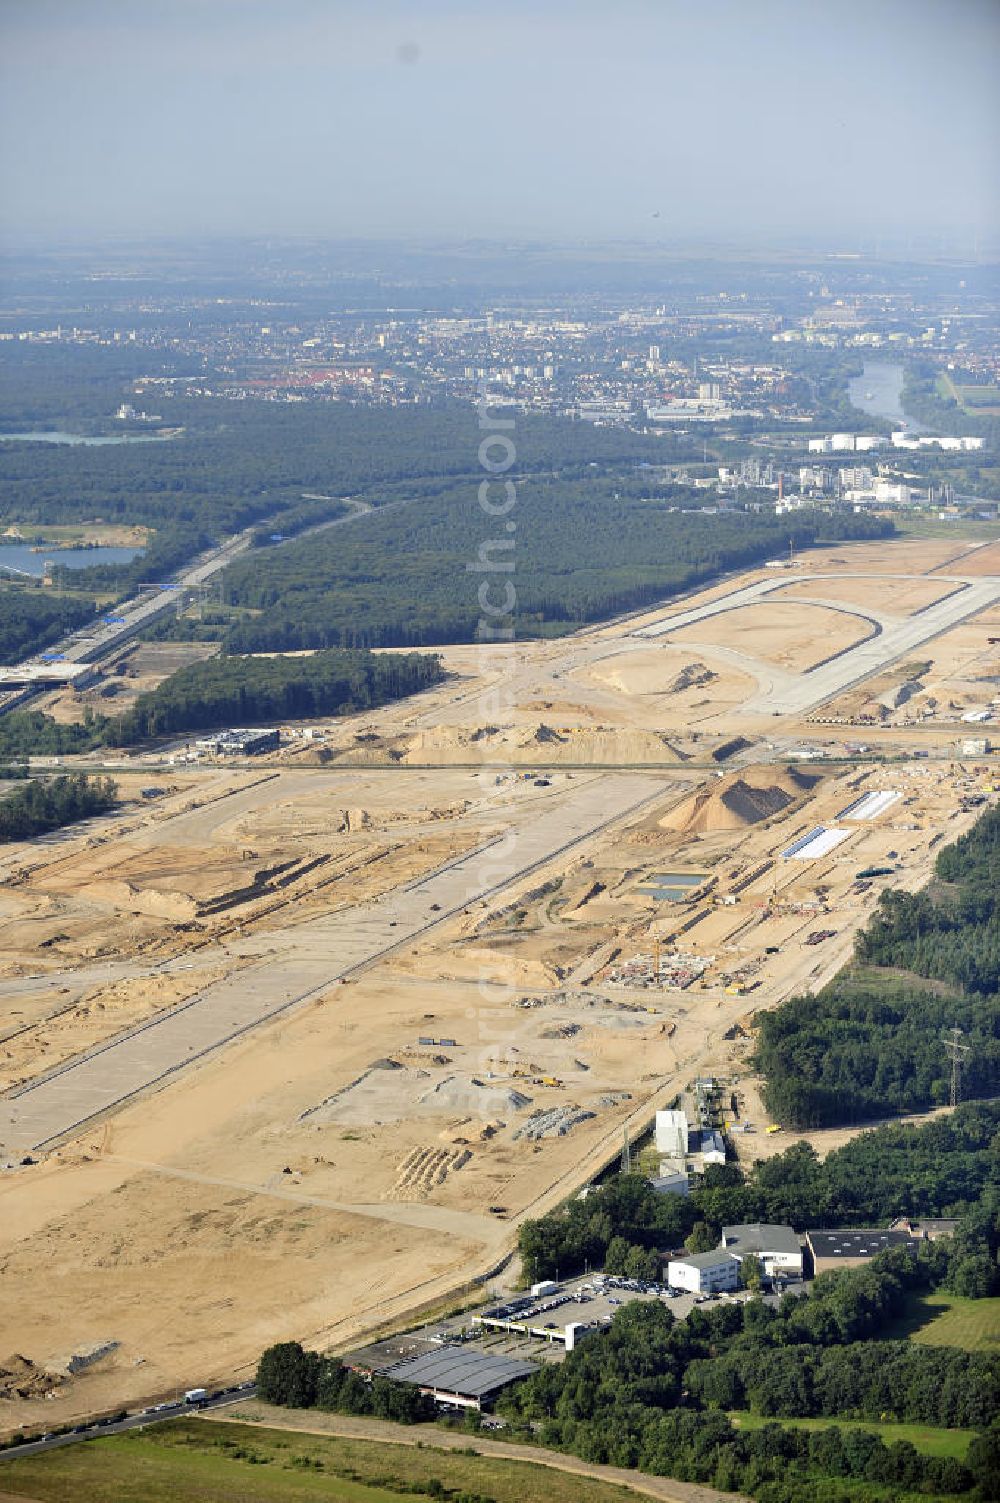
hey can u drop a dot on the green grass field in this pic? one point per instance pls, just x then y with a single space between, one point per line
961 529
949 1320
190 1459
928 1439
972 399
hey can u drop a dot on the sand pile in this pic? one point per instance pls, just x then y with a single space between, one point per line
738 800
151 901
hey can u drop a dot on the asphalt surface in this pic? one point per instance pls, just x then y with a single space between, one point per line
93 1430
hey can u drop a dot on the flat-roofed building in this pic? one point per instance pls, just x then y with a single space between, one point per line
849 1247
777 1247
671 1132
704 1273
926 1229
455 1375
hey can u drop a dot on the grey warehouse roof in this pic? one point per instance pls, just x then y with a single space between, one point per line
760 1237
705 1259
452 1370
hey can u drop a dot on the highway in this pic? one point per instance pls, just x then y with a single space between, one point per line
155 1415
304 963
91 644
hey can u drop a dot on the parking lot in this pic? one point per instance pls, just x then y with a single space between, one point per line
536 1326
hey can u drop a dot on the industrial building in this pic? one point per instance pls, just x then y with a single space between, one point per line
454 1375
925 1229
777 1247
704 1273
671 1134
240 743
852 1246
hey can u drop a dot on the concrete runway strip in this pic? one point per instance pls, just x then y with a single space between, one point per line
308 960
806 691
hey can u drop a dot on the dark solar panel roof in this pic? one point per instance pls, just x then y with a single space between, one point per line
852 1242
453 1370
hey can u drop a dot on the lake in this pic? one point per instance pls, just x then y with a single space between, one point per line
19 558
56 436
879 392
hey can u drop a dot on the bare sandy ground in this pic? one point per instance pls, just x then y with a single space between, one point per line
335 1171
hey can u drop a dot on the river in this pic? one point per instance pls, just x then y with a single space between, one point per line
20 558
879 392
57 436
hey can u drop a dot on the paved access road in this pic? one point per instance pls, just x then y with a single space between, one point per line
306 961
797 694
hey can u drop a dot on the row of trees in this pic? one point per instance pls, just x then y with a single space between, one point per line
870 1044
246 691
297 1379
37 807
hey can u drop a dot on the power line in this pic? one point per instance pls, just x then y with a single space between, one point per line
956 1050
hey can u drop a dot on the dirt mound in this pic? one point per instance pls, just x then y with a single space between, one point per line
20 1378
692 676
151 901
737 800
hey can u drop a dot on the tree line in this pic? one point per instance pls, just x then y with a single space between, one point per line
241 691
871 1043
38 807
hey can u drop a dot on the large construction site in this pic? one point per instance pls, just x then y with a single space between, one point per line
291 1044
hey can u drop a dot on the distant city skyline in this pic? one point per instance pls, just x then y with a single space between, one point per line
653 121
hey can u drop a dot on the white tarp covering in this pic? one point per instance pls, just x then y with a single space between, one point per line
871 805
817 843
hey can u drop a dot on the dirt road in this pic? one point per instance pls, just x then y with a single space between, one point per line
358 1428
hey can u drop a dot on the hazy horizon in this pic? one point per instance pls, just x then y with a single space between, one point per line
654 122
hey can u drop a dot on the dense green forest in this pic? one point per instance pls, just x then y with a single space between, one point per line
30 733
583 551
234 466
871 1043
648 1392
37 807
248 691
32 619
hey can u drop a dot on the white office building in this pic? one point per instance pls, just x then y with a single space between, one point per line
672 1135
704 1273
777 1247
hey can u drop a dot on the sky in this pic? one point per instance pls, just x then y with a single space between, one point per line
756 121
